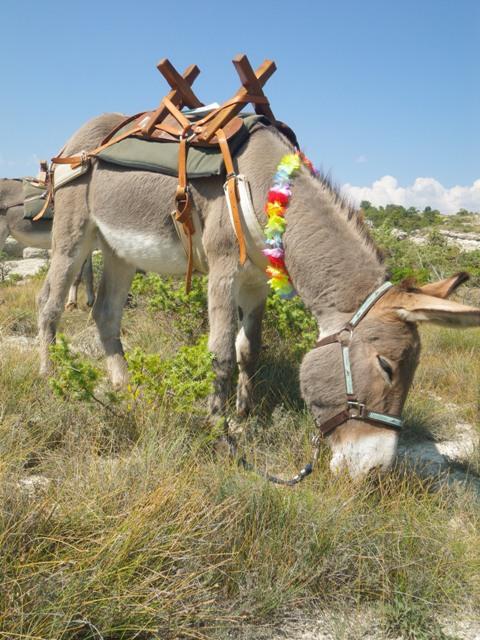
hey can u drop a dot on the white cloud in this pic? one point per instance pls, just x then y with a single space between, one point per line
422 193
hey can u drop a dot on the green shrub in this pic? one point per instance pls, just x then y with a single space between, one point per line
75 378
290 321
178 382
187 311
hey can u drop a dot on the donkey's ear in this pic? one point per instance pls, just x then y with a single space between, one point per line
444 288
419 307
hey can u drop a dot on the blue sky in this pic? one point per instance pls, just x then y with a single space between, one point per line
372 88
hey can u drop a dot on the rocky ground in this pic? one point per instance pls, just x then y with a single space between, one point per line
357 625
466 241
22 263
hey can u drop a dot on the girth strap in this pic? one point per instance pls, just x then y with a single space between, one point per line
183 208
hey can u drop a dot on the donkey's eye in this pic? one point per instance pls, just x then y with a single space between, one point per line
386 366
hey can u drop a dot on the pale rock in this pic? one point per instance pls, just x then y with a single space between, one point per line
34 485
399 234
33 252
25 268
12 248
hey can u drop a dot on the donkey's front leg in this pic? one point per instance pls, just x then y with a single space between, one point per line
251 305
221 343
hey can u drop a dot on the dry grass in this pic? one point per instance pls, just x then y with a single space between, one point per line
132 528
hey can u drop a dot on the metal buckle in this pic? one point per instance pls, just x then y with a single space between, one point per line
316 439
357 409
348 330
184 135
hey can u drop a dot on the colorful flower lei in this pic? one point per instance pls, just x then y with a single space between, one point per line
278 200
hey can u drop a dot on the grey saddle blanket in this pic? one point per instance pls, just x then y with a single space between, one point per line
162 157
34 195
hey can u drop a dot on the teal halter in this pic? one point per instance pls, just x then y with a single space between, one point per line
354 409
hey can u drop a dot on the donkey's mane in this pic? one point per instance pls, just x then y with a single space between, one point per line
353 215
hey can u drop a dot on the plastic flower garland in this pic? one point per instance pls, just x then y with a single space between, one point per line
277 202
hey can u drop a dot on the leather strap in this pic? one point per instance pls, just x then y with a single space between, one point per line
183 207
232 193
14 204
332 423
76 161
122 124
48 202
331 339
182 196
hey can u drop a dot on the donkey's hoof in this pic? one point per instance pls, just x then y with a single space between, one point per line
90 302
71 306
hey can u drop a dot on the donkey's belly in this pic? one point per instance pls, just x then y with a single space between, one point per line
149 251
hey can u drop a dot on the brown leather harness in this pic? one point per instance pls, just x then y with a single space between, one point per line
168 122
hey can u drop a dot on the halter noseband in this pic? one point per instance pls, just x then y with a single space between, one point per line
354 409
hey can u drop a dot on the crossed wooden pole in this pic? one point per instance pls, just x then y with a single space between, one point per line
182 95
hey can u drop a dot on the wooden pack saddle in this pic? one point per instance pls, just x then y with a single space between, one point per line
169 123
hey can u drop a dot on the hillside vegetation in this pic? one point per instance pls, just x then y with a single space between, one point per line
119 519
434 259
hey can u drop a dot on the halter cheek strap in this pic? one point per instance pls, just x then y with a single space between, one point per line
354 409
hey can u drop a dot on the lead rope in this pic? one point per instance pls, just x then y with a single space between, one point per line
301 475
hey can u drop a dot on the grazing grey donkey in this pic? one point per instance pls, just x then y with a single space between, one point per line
332 262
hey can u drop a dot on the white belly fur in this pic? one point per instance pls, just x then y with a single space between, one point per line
150 252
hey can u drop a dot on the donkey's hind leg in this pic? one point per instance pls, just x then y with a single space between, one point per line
63 267
107 311
85 273
251 306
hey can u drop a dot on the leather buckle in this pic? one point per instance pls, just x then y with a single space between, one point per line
357 409
182 203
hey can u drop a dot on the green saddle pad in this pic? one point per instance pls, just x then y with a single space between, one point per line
162 157
34 196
